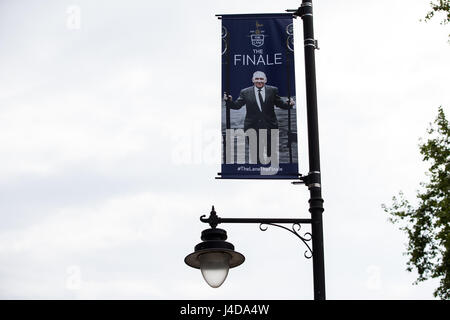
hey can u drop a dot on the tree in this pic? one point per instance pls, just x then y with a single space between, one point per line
427 223
442 5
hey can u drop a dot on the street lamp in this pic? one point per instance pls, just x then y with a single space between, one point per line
312 180
214 256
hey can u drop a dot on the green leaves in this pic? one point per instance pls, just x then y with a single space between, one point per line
441 5
427 224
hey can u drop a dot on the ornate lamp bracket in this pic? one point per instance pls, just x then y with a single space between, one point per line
295 230
213 220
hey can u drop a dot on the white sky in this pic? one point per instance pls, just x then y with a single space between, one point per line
110 137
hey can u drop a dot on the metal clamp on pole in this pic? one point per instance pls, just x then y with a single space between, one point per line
312 180
305 9
302 180
312 42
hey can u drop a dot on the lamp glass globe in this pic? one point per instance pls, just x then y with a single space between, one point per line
214 267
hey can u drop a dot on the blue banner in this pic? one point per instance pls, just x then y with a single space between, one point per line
259 121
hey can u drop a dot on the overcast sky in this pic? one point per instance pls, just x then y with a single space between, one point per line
110 142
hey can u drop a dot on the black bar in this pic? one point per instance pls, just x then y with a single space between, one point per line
315 201
263 220
253 14
279 177
180 309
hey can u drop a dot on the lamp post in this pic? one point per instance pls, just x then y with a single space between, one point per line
313 180
214 256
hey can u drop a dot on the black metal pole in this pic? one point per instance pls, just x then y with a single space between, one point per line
314 181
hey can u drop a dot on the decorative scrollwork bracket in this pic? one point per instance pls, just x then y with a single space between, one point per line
307 237
213 220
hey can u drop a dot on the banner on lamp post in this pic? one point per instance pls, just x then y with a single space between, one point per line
259 120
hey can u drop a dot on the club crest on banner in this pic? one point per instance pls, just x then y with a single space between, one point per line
257 36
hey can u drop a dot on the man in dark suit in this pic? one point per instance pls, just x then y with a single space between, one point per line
259 100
